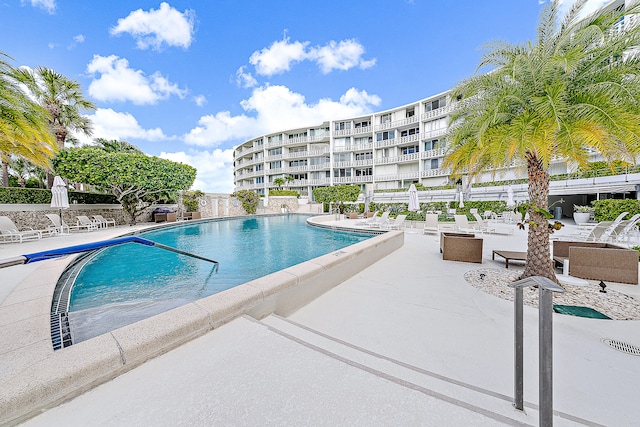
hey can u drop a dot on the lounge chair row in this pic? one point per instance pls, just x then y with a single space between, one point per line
10 233
383 221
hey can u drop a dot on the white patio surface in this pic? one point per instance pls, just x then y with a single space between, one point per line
405 342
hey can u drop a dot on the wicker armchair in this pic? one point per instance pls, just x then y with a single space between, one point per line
598 261
461 247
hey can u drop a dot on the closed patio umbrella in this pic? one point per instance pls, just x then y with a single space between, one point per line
414 204
59 196
461 205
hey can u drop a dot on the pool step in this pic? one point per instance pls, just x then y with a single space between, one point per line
488 403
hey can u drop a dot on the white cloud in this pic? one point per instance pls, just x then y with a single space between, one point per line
154 28
277 58
276 108
78 38
110 124
118 82
47 5
215 168
245 79
342 55
200 100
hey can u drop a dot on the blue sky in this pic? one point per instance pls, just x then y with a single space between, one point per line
189 80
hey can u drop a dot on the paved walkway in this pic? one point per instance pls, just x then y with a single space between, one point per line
405 342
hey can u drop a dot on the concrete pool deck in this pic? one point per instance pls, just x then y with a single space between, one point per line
406 341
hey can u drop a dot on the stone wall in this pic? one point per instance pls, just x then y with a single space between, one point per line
34 215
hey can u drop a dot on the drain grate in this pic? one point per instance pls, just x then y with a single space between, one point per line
624 347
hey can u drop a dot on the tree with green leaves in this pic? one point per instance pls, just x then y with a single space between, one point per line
116 146
136 180
63 99
24 130
278 182
337 194
573 90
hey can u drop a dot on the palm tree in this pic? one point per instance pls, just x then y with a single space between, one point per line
576 89
24 129
63 99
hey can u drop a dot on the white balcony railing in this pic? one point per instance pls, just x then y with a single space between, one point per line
436 113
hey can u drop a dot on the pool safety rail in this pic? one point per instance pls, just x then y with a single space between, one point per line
57 253
546 288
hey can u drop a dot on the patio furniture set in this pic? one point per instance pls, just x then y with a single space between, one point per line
10 233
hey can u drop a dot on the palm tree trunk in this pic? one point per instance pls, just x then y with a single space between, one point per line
5 170
539 261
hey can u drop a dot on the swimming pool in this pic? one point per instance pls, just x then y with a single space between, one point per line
124 284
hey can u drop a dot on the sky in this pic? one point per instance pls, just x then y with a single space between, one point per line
190 80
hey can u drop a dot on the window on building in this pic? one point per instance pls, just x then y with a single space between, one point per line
437 124
257 142
434 144
383 136
275 165
435 104
342 157
258 156
385 118
364 156
298 135
260 180
258 167
410 132
435 163
274 138
410 112
299 176
297 149
364 172
364 140
362 124
410 150
297 163
342 173
319 161
343 125
275 151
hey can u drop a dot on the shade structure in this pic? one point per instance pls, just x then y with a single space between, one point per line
414 204
461 205
59 195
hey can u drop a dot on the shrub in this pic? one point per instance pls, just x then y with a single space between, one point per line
291 193
249 200
609 209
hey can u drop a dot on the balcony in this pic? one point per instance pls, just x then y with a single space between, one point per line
343 132
387 143
410 138
435 172
314 153
430 154
436 113
363 130
433 133
297 154
322 166
397 123
274 157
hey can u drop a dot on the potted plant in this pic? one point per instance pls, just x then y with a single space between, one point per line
581 214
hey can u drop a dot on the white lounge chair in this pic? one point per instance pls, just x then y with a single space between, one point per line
462 224
381 220
431 224
85 222
104 222
10 232
397 223
481 225
368 221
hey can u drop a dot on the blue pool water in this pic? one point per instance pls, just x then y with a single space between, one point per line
126 283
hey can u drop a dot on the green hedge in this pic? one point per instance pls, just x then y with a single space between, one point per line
291 193
38 196
609 209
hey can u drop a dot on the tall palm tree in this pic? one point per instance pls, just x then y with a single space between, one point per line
63 99
575 89
24 129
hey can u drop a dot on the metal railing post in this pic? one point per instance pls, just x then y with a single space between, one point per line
545 345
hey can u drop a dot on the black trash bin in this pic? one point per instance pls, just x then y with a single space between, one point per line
557 213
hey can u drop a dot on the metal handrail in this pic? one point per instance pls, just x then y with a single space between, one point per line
57 253
546 288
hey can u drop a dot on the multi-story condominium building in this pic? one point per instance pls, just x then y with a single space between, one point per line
385 150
